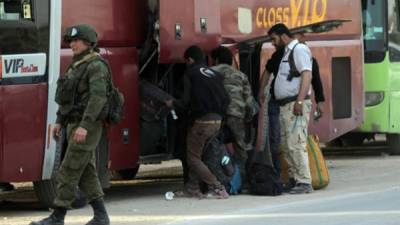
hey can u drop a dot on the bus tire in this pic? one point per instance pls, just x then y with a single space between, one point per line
128 174
348 140
46 189
394 143
353 139
46 193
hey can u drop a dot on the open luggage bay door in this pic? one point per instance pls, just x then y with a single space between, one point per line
320 27
187 22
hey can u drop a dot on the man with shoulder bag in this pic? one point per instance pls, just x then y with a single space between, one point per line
292 91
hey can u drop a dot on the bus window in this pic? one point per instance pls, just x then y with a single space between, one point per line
16 10
24 30
394 31
374 26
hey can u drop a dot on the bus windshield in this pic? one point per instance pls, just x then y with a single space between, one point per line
374 29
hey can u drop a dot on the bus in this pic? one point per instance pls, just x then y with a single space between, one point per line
381 34
144 41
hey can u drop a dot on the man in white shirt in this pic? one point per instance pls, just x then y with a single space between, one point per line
292 90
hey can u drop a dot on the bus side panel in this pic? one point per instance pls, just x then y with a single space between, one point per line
394 112
187 14
124 149
23 128
261 15
394 92
378 117
329 127
124 136
118 22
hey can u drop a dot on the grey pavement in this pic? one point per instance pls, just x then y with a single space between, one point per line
369 208
363 190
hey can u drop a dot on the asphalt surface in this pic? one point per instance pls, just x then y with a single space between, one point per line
367 208
363 190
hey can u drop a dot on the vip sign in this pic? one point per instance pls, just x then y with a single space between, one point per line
23 65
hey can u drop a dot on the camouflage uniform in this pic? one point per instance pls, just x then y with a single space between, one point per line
239 110
78 166
82 98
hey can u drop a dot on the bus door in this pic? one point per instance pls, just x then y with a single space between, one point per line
24 50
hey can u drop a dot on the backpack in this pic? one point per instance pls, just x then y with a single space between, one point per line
262 178
115 103
113 110
315 80
217 159
221 165
292 65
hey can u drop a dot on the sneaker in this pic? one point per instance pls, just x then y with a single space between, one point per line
194 193
288 186
302 188
218 194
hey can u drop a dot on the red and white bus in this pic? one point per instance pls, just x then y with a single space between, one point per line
145 39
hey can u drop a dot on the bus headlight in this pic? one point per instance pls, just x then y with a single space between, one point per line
373 98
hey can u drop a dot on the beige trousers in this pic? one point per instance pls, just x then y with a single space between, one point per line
294 141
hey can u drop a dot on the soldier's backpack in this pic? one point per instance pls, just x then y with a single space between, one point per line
112 112
115 103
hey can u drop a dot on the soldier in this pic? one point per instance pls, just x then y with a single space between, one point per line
82 96
292 90
240 108
206 100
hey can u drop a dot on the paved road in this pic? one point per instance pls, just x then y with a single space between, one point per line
368 208
363 190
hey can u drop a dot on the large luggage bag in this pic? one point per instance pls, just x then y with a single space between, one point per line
318 168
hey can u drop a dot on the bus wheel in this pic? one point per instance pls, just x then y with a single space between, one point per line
394 143
128 174
353 139
46 193
347 140
46 189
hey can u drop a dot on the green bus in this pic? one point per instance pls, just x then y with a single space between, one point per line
381 27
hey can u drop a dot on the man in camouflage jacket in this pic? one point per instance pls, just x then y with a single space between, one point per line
240 109
82 96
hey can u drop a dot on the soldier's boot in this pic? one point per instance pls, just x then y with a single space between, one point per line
56 218
100 213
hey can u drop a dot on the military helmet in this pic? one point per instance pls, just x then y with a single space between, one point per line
83 32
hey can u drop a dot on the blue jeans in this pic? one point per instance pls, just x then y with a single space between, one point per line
274 133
